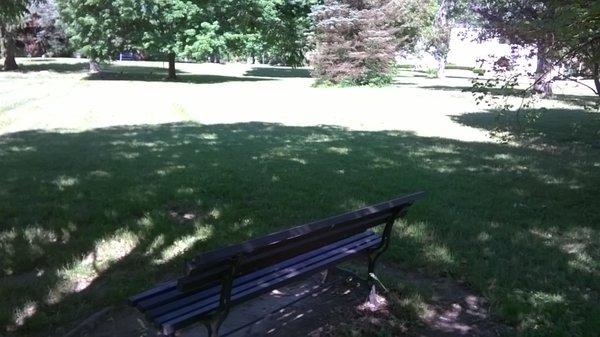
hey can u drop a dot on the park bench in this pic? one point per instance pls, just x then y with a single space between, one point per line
220 279
128 56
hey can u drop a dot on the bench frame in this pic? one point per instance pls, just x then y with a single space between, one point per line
230 260
214 323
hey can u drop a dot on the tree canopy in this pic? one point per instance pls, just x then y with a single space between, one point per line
557 30
272 30
100 28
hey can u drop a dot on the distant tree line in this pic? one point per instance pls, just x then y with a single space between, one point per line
346 41
272 31
266 31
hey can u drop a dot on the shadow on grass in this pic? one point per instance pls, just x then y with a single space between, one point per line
159 76
557 127
462 77
493 91
399 83
89 218
53 66
117 72
578 100
457 67
278 72
575 100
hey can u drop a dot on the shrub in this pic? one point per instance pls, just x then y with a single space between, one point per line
354 43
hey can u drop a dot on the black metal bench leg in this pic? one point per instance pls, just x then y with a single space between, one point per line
373 257
212 327
385 242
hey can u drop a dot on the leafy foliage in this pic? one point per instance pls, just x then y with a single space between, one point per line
11 10
285 26
177 27
411 19
101 28
560 31
196 30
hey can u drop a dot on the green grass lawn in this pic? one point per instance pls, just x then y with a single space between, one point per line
88 218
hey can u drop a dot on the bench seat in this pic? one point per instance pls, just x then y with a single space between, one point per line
171 309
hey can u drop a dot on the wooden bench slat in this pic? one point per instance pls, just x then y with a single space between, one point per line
280 251
170 324
177 299
270 278
174 293
216 256
161 288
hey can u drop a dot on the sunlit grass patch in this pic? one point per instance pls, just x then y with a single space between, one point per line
79 274
22 314
64 182
184 244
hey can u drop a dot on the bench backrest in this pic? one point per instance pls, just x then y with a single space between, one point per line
210 267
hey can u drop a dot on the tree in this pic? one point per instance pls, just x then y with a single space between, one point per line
189 29
438 37
11 11
579 36
561 34
40 32
285 26
525 22
244 45
274 30
170 27
101 28
355 42
411 21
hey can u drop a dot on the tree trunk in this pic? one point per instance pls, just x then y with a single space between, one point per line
172 73
95 66
543 71
443 29
9 47
441 67
596 76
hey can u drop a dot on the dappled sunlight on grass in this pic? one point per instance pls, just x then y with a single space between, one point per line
21 315
438 255
79 274
22 149
579 243
102 223
339 150
100 174
184 244
555 130
63 182
537 303
432 253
